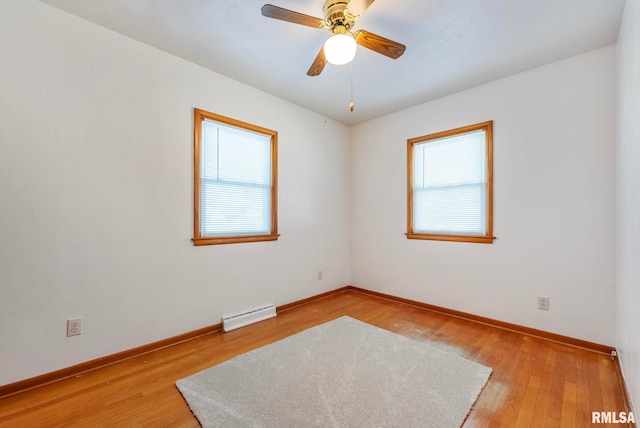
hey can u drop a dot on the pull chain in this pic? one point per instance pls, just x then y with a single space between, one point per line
351 104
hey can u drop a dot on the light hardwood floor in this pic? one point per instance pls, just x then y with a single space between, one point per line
535 382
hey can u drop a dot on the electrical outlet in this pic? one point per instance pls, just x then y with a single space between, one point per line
543 303
74 326
319 274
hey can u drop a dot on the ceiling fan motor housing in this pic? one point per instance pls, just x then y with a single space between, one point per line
336 15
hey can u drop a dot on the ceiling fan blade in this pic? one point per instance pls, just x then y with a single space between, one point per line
318 64
357 7
271 11
379 44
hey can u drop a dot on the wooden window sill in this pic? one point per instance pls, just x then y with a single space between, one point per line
233 239
455 238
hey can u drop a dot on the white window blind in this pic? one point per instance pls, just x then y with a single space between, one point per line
235 181
449 185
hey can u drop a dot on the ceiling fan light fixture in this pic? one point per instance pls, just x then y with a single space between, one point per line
340 49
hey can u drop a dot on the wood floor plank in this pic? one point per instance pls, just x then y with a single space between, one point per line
535 382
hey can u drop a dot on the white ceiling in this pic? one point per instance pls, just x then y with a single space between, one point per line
452 45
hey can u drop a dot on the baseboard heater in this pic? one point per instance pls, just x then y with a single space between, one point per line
231 322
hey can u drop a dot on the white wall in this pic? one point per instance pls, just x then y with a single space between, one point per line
628 199
96 195
554 139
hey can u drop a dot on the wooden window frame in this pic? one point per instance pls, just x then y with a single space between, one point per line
198 117
488 237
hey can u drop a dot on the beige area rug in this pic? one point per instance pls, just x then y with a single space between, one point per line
344 373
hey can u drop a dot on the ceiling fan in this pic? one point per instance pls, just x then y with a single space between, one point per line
339 17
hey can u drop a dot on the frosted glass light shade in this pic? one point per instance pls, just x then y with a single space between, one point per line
340 49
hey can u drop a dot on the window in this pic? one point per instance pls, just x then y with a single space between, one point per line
450 185
235 177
